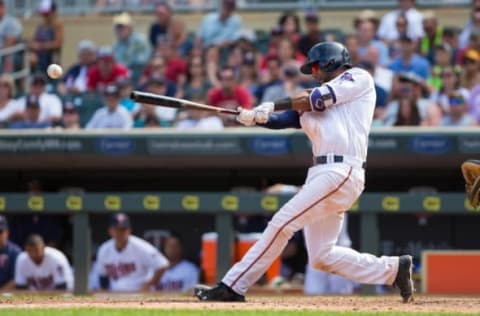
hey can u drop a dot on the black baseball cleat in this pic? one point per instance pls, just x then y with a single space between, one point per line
219 293
404 281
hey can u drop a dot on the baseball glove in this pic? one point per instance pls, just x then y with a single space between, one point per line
471 174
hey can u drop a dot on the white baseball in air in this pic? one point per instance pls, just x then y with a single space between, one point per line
54 71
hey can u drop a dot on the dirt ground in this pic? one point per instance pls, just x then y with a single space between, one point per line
287 302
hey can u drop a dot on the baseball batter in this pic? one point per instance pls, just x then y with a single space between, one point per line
128 263
336 116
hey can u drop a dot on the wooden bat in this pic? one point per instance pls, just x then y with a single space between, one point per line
161 100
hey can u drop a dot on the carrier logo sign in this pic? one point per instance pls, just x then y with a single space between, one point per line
115 146
430 144
270 145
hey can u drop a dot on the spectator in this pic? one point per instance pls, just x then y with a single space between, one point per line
271 76
433 36
125 87
229 94
407 102
382 95
155 116
196 81
472 25
443 57
450 77
198 120
383 76
112 115
175 66
177 36
70 118
131 48
409 61
50 104
288 54
352 45
388 31
10 109
8 256
289 87
75 80
157 69
220 28
290 25
366 38
458 112
126 262
10 34
181 275
471 66
31 117
312 35
106 71
450 37
41 268
249 73
160 28
394 47
48 38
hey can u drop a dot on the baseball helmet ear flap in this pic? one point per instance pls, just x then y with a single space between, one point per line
329 56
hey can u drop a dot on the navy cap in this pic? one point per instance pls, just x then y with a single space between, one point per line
3 223
120 220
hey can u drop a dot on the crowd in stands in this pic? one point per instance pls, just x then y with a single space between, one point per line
426 72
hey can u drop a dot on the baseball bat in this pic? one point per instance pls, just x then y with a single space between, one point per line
162 100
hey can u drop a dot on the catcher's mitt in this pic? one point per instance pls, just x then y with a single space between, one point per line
471 173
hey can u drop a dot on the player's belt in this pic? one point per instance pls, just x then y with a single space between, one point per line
324 159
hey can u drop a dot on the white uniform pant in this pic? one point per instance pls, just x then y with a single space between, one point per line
318 208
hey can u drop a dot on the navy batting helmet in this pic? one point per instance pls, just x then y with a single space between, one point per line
329 56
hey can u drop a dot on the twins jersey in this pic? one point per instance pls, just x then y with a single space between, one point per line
344 113
182 277
130 268
54 270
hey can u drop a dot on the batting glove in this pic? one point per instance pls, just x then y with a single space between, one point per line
263 111
246 117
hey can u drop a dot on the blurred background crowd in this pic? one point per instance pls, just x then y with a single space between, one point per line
426 72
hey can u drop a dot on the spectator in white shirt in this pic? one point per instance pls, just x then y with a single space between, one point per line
9 108
112 115
387 30
50 104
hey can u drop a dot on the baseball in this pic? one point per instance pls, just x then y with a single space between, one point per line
54 71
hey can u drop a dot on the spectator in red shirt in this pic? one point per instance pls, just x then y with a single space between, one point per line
229 94
176 66
106 71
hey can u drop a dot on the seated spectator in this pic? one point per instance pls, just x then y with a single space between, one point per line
220 28
199 120
229 94
289 23
395 47
450 78
471 25
42 268
352 45
409 61
131 48
387 30
289 87
382 95
156 70
160 28
196 80
470 76
125 87
288 54
10 34
382 75
70 118
433 36
457 114
31 117
177 36
366 38
47 41
312 35
106 71
181 275
126 262
10 109
175 66
407 102
443 57
249 73
8 256
75 80
270 76
112 115
50 104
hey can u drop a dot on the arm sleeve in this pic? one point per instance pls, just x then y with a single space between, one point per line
154 259
347 87
286 119
191 279
61 273
20 279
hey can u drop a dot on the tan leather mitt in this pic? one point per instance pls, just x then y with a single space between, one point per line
471 174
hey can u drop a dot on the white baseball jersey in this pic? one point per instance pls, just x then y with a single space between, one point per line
54 270
50 106
182 277
338 125
130 268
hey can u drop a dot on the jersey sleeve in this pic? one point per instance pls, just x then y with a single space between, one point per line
154 259
100 264
191 278
20 273
347 87
61 273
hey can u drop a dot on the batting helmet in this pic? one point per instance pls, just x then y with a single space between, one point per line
328 55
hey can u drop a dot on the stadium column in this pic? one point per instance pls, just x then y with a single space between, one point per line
369 241
81 255
224 229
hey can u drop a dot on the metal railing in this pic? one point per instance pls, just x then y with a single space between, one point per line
27 8
13 53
